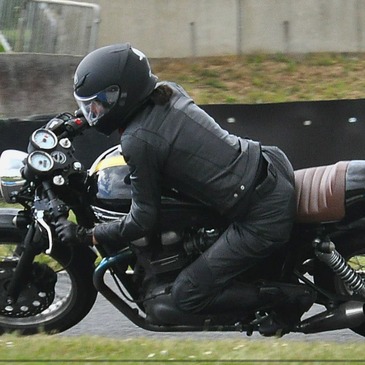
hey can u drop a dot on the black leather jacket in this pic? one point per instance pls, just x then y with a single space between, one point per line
179 145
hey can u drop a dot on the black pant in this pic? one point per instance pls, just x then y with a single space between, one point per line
208 284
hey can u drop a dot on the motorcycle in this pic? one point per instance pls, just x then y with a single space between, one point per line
49 286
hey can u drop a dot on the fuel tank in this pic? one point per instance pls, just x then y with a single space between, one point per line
109 185
110 195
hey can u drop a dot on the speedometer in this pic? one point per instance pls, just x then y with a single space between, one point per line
40 161
44 139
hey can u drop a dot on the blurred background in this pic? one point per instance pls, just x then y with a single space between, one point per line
286 72
184 28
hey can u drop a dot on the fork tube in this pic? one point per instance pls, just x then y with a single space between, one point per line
23 268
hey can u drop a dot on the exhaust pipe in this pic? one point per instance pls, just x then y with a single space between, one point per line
347 315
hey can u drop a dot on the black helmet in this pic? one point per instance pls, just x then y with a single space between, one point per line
111 83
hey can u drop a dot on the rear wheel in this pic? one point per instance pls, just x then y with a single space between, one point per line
352 248
59 295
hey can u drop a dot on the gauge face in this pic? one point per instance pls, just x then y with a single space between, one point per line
44 139
40 161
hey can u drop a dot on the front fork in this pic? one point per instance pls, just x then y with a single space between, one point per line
32 246
33 243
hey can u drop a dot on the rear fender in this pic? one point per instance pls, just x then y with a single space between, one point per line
8 231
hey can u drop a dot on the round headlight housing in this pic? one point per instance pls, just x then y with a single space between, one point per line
11 180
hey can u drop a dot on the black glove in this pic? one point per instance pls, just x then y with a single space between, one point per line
69 232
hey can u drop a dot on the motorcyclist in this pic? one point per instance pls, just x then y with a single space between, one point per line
168 141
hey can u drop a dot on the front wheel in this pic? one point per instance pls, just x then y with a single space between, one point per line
352 248
69 299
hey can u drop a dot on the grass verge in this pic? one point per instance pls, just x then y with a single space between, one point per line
90 350
263 78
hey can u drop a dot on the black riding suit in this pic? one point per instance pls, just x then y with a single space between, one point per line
178 145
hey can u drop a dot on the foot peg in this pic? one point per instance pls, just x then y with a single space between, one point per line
268 325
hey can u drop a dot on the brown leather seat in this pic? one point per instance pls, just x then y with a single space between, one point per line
320 193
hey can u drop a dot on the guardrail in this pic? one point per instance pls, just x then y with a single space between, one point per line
49 26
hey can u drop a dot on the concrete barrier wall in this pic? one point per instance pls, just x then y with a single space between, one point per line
36 84
186 28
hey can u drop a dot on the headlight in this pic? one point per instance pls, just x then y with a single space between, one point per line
11 180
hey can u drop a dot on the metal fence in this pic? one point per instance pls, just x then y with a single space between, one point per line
48 26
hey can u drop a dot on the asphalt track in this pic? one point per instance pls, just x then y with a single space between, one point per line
106 321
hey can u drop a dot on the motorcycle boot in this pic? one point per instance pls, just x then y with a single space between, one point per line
278 307
161 310
285 305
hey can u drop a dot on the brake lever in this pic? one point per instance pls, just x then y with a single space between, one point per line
40 219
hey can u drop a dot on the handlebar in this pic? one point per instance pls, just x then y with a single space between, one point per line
66 125
58 209
57 206
75 126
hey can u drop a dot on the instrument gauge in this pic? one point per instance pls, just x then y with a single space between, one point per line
40 161
44 139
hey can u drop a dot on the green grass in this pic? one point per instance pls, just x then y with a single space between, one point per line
143 350
262 78
5 205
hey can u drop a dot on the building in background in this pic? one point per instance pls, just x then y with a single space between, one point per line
195 28
184 28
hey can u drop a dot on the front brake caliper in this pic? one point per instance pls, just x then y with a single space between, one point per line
36 296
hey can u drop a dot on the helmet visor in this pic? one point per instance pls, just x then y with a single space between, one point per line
96 106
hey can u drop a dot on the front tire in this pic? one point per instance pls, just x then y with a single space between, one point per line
74 291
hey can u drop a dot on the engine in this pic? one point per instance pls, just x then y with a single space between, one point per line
176 250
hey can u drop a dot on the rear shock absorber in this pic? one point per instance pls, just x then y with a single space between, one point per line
325 250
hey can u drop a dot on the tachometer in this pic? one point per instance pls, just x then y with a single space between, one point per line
44 139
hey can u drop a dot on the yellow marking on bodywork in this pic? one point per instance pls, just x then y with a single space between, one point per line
110 162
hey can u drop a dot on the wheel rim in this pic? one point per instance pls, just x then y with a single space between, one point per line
64 292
